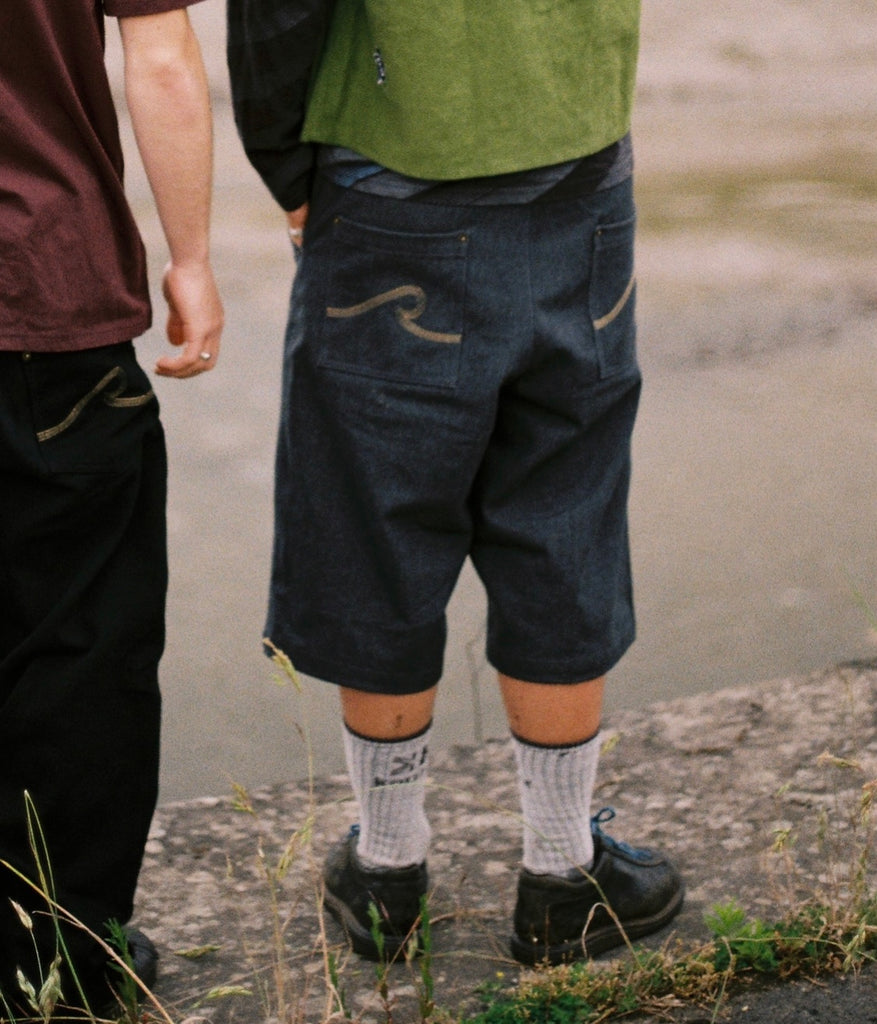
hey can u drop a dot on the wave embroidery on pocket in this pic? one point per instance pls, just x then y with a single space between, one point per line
406 316
109 388
615 312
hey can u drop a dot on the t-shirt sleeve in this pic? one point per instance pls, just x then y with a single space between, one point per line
136 8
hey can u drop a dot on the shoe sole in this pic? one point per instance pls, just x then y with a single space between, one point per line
361 939
593 943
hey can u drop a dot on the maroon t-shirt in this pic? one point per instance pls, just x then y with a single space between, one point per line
72 266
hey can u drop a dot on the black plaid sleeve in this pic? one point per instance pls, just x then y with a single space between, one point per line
272 48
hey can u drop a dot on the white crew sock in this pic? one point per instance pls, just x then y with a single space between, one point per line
389 783
556 785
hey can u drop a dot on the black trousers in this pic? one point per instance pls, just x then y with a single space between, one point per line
83 578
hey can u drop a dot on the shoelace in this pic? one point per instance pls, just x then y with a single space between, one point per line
606 815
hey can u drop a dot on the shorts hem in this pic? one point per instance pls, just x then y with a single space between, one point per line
338 673
559 673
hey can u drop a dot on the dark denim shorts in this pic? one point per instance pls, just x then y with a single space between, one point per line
458 381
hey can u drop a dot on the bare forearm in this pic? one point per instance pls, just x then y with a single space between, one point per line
166 89
167 96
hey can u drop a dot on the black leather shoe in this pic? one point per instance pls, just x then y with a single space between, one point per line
144 956
551 916
349 889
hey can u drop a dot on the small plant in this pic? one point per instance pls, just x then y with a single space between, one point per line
273 873
650 981
426 992
335 984
127 991
46 999
741 943
45 996
276 995
382 968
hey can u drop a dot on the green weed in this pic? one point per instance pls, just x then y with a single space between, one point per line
834 931
807 942
44 995
426 994
127 990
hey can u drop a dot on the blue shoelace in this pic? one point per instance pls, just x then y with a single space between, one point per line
605 815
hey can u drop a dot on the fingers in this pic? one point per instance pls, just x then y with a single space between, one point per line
194 323
296 220
197 356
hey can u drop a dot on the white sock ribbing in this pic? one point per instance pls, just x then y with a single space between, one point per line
556 785
389 783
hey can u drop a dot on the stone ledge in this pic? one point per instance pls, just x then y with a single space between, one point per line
707 778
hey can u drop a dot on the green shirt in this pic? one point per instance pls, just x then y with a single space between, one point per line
448 89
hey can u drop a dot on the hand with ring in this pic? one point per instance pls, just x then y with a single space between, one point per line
296 220
195 318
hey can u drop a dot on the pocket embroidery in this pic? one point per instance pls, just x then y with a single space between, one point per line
613 313
112 397
405 316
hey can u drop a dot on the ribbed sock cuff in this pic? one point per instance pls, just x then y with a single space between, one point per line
556 785
389 782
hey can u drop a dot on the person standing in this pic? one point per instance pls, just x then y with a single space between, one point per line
460 380
83 568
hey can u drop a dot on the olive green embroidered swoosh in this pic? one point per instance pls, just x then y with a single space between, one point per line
405 316
604 321
110 396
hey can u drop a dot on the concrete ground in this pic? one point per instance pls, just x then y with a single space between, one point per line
711 779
